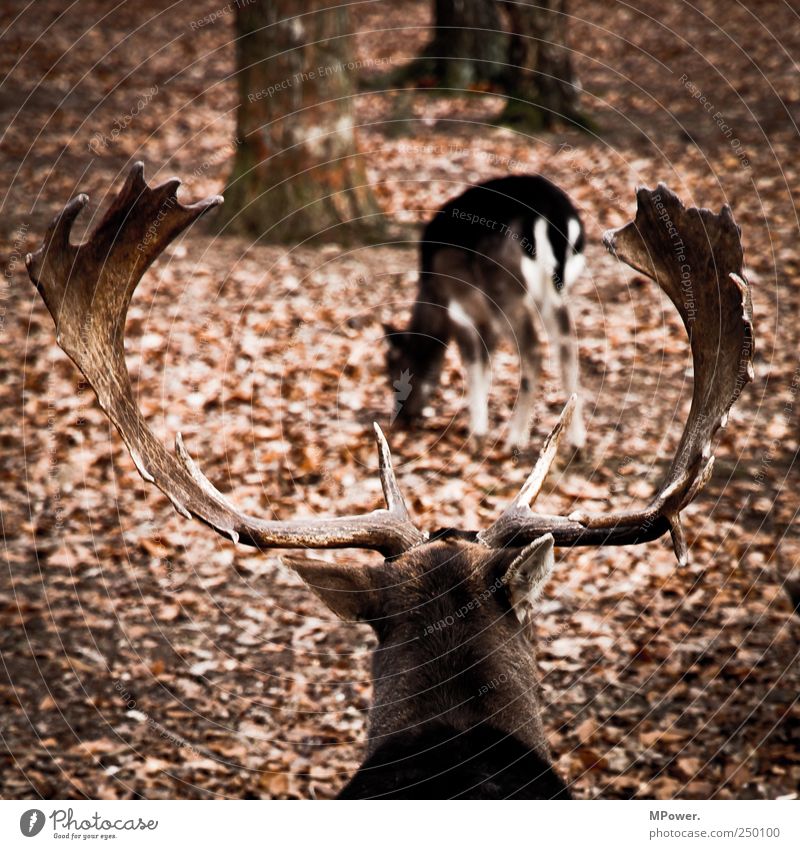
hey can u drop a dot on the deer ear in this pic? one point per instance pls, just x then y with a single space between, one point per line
527 575
346 590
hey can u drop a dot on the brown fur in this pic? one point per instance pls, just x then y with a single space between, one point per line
452 651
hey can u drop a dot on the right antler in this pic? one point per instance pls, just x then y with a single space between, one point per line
88 289
696 257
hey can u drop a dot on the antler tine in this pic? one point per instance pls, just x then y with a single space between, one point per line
519 509
87 290
696 257
391 491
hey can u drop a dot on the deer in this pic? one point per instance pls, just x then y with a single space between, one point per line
493 262
456 709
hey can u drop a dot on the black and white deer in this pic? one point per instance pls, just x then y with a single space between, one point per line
455 711
494 261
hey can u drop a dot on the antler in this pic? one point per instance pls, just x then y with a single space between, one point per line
87 290
696 257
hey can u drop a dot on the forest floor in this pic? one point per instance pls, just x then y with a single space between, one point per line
144 656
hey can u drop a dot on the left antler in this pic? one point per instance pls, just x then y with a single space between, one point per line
88 289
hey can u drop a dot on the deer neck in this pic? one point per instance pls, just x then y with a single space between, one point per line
493 695
431 328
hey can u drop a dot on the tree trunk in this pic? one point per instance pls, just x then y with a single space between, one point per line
467 48
297 172
540 82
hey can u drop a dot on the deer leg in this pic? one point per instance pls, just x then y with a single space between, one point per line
564 342
530 363
479 382
475 357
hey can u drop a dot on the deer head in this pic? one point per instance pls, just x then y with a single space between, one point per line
452 609
414 362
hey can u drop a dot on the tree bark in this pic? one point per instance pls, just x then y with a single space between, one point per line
540 81
467 48
297 173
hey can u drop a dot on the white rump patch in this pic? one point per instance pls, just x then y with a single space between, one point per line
575 262
535 282
544 248
458 315
573 268
573 231
538 272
